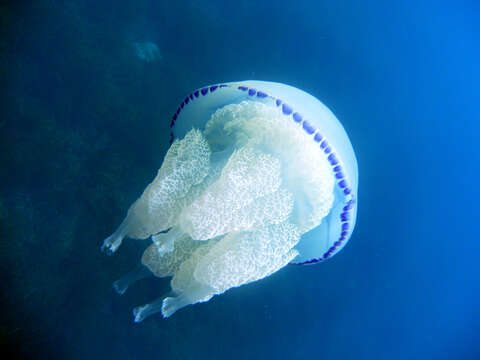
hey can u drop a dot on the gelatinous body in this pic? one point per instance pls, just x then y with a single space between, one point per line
147 51
259 175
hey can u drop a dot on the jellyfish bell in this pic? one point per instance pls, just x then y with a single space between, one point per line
258 175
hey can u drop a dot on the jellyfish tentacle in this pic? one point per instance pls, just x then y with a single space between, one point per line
138 273
113 242
142 312
171 304
195 293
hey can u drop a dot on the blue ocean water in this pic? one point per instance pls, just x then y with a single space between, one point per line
84 127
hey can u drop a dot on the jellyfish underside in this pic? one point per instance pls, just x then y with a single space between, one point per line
228 205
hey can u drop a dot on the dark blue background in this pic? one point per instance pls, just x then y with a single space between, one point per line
84 127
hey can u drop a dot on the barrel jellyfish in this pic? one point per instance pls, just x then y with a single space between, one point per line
258 175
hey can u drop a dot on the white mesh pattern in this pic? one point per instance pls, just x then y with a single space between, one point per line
273 208
248 175
167 264
184 282
240 258
186 164
306 172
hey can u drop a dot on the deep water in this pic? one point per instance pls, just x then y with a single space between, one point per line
84 125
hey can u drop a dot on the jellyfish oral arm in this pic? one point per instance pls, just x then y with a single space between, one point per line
113 242
185 165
